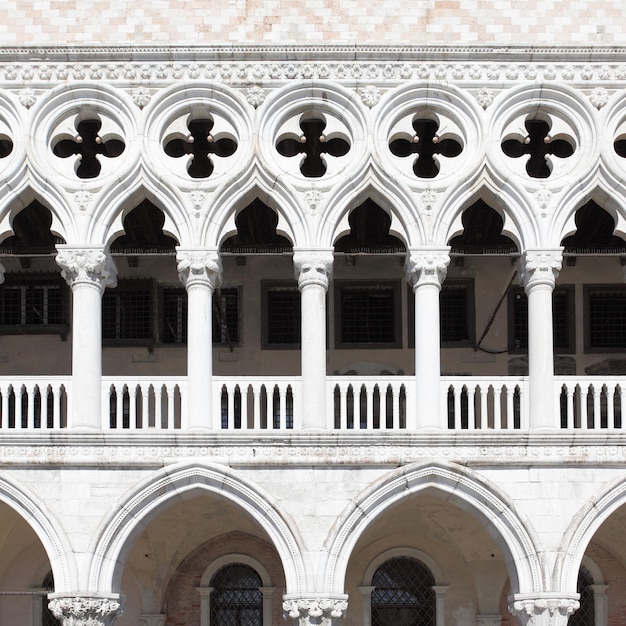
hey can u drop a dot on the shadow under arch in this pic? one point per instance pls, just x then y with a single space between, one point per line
54 542
581 530
461 487
127 521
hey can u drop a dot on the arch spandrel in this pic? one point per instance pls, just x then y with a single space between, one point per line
459 486
118 533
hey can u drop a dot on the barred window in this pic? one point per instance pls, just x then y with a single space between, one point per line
456 305
403 594
369 314
562 318
605 318
236 599
281 310
174 324
34 304
226 316
127 312
47 618
585 616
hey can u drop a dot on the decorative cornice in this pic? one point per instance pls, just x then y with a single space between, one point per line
313 267
199 267
85 611
322 612
91 266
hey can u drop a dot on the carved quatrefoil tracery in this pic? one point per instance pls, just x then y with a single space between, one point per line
89 144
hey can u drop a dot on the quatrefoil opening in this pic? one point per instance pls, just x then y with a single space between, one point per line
199 146
428 144
89 145
6 146
539 146
314 145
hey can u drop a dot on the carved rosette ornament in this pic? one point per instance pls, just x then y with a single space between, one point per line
79 611
199 267
91 266
546 611
321 612
427 267
540 267
313 267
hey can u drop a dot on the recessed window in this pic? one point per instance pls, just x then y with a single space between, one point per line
127 312
236 599
562 319
605 327
368 315
34 304
456 305
281 315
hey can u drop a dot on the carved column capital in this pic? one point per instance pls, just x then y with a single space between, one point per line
313 266
544 610
85 610
318 611
199 267
540 267
427 266
91 265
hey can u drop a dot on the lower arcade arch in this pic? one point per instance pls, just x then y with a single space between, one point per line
176 527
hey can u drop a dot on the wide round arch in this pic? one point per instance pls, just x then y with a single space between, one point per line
234 557
128 520
581 530
461 487
419 555
47 530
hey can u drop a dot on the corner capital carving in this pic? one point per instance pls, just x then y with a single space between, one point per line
88 265
85 610
544 610
313 266
200 266
427 266
540 267
318 611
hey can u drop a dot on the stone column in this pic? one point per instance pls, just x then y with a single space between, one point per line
88 271
600 604
547 609
425 271
315 612
440 604
200 270
85 610
313 269
539 270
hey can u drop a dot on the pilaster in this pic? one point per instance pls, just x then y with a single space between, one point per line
544 610
200 271
318 611
313 270
425 271
85 610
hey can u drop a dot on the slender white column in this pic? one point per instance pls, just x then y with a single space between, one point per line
313 269
539 270
425 271
544 609
88 271
85 610
440 604
200 270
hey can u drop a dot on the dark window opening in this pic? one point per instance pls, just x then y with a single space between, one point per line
585 615
32 234
127 312
456 306
47 618
282 310
605 318
403 594
226 316
594 232
236 599
174 326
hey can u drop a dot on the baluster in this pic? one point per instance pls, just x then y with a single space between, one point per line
171 407
145 407
244 407
158 408
456 403
610 409
471 407
132 407
6 393
395 397
583 408
18 407
570 407
510 413
597 411
369 407
119 408
282 407
230 416
257 406
497 408
30 407
56 407
484 408
343 407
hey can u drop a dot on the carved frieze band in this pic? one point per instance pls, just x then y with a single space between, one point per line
550 611
427 267
540 267
93 266
322 612
199 267
313 267
85 611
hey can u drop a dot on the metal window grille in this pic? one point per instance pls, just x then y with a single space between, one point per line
454 319
607 319
236 599
226 316
403 594
127 314
283 315
585 616
174 328
32 302
368 315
